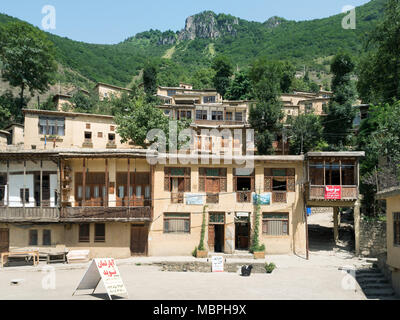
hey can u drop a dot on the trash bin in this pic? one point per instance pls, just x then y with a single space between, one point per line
308 211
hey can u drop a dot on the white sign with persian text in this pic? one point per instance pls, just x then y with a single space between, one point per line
106 270
217 263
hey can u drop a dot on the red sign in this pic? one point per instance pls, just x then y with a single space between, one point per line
333 193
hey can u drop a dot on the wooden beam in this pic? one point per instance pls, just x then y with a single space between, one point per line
41 184
340 170
107 185
8 183
84 183
23 191
128 182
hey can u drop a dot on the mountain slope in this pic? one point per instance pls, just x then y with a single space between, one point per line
207 34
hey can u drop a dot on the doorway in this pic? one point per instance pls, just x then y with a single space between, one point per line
4 240
45 190
216 237
242 234
139 236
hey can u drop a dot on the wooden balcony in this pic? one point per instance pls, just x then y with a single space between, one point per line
243 196
122 214
29 214
219 122
317 193
212 198
279 197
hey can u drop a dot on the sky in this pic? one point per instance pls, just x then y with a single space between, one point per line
109 22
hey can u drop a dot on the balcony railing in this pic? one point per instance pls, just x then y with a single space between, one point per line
104 214
29 214
279 196
177 197
349 193
212 198
243 196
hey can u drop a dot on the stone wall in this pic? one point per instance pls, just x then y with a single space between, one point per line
206 267
372 238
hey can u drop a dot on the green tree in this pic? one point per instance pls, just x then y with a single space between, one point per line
240 87
339 120
9 109
139 117
203 78
379 70
84 103
305 133
223 72
265 117
150 79
28 58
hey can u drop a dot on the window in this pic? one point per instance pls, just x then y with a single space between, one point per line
84 232
308 107
209 99
177 180
33 237
276 224
111 137
396 228
112 128
238 116
47 237
183 114
201 114
216 218
52 126
100 232
229 116
212 180
217 116
87 125
88 136
171 93
316 173
177 223
279 180
22 196
100 135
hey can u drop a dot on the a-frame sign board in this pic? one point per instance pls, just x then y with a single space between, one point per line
106 270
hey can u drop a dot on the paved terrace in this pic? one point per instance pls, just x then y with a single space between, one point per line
320 277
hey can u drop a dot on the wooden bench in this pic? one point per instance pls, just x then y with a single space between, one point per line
78 256
34 254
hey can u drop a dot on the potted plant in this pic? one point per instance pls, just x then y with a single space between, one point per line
257 249
270 267
201 251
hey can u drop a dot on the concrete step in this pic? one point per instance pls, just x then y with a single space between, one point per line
370 271
376 286
372 281
386 292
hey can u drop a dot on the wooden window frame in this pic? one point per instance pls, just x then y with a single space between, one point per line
290 174
82 238
187 176
222 176
31 232
56 119
185 216
43 237
396 229
101 238
265 220
210 214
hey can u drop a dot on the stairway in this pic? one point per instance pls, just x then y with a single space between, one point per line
374 284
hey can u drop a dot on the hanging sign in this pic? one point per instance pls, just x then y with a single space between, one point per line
333 193
106 270
217 263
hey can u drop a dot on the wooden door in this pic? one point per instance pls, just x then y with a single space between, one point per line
139 235
4 240
211 238
212 185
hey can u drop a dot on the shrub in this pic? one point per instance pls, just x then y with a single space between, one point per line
194 252
269 267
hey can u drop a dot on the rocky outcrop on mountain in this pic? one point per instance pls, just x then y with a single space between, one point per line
274 22
208 25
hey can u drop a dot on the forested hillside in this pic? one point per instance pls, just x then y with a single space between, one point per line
185 55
